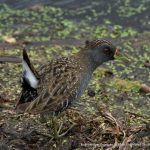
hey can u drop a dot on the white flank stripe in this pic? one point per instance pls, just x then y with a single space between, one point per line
29 75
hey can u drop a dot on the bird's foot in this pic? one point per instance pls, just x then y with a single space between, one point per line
57 134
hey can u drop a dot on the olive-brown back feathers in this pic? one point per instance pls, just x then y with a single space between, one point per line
58 85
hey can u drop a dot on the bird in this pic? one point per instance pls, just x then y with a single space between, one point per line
3 146
58 84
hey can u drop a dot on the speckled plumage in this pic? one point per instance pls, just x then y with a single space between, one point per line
63 80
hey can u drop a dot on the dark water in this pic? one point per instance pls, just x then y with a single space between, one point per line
135 14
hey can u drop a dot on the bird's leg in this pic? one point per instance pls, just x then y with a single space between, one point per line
57 132
67 131
56 128
54 124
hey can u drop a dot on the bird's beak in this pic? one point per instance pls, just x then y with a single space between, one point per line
119 55
117 52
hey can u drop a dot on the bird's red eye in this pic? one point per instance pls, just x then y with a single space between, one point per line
107 51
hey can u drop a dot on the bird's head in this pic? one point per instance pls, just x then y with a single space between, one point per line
101 51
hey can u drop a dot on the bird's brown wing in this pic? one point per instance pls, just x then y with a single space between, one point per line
60 88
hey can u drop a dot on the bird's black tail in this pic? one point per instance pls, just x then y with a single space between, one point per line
30 81
30 75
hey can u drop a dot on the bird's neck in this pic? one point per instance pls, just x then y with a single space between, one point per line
86 61
87 68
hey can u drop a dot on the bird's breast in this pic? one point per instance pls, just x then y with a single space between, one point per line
84 83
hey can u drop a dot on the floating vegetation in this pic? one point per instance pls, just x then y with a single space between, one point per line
114 110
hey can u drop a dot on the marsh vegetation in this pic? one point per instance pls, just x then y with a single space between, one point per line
113 110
